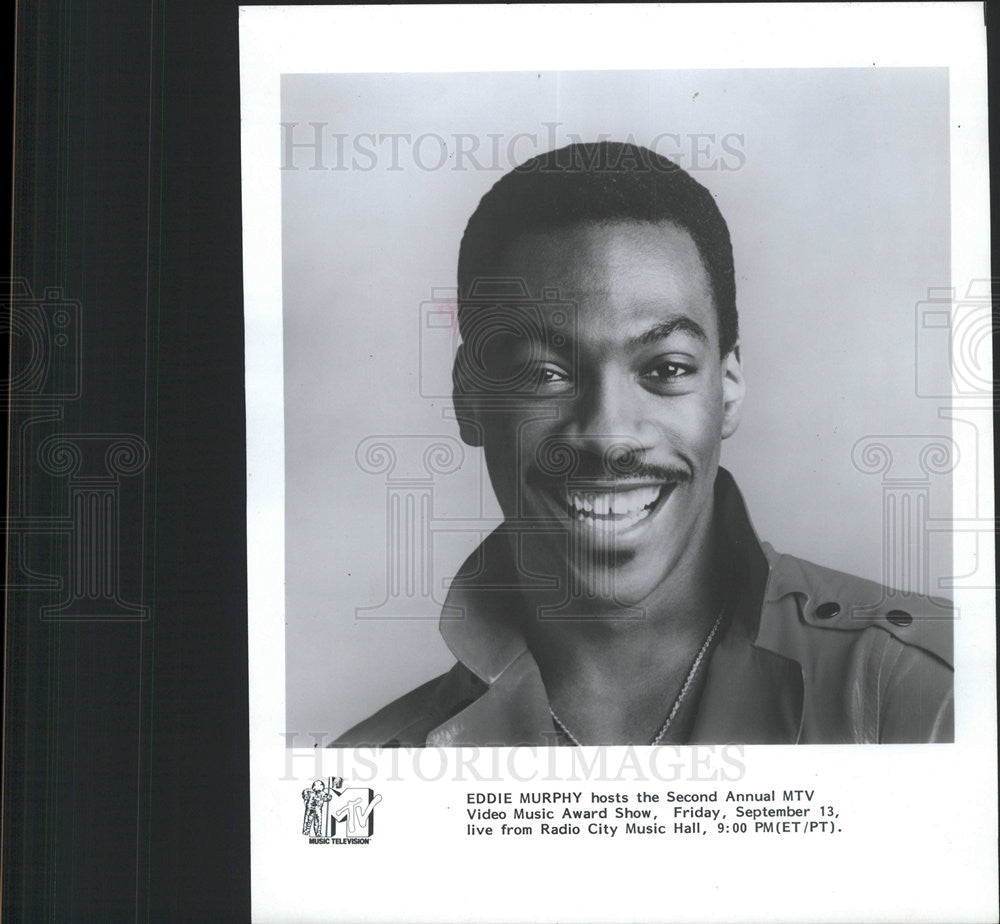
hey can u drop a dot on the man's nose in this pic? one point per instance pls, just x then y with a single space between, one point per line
604 431
606 411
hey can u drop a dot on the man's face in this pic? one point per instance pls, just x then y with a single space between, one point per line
615 445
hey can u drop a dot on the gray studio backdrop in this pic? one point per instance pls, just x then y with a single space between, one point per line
835 187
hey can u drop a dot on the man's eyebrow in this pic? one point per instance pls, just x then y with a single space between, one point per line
666 328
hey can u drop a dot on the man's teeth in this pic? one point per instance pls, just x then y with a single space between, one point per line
632 504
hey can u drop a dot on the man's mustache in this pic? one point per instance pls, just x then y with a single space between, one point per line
565 462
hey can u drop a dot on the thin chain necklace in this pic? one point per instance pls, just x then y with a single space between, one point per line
677 702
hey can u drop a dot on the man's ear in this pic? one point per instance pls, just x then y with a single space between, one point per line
463 401
733 390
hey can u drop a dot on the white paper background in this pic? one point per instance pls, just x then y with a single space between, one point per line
917 847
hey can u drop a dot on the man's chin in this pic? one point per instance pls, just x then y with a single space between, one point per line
606 587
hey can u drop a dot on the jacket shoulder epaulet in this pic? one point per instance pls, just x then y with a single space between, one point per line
835 600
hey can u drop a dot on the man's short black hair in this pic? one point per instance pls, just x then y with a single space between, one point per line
597 183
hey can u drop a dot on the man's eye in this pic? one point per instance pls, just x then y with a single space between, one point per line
551 379
549 375
668 372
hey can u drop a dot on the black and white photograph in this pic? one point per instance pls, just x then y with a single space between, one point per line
558 418
603 411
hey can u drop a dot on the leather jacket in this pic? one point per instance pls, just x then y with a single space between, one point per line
810 656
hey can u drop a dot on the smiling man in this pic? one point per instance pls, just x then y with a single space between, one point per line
626 598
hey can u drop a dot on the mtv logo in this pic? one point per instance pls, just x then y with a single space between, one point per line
351 812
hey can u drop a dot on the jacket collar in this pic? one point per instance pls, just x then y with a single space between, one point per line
752 694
